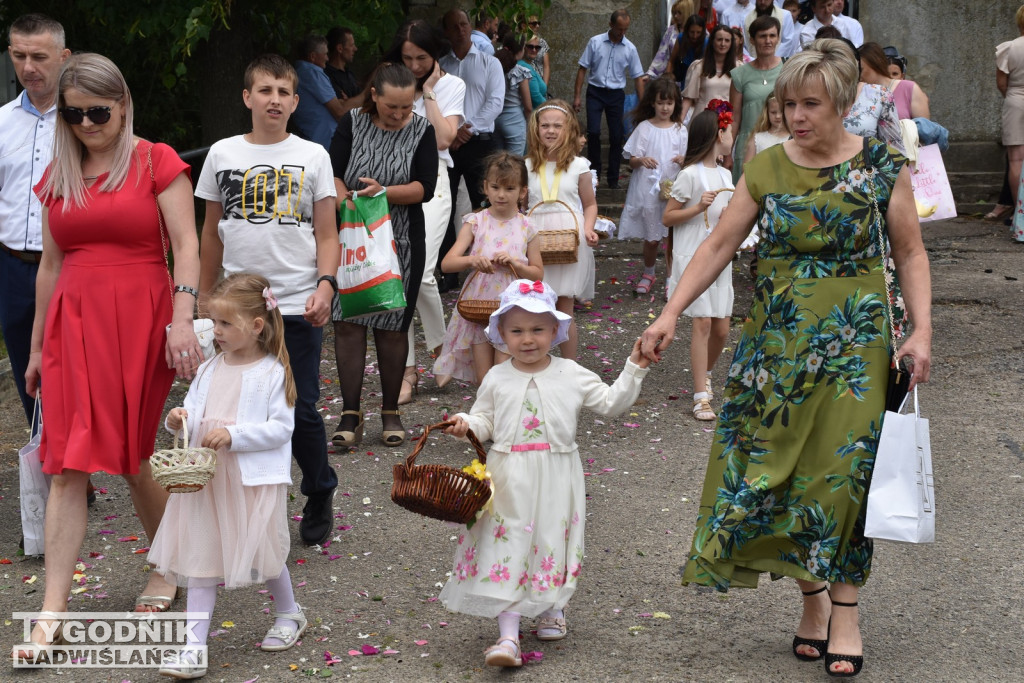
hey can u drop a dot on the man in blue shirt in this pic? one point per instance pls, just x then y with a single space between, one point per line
609 57
26 146
319 108
485 28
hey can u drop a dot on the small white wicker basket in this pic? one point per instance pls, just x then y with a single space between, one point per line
185 469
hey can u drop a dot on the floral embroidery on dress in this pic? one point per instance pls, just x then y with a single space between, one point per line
531 423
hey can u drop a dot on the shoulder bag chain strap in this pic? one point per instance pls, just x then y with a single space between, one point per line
160 221
871 171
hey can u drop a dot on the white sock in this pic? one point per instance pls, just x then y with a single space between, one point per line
699 395
649 270
284 600
201 599
508 625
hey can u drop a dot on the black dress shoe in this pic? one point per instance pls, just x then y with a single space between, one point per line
317 518
613 184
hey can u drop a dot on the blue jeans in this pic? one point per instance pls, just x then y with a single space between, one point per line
309 440
511 126
611 102
17 311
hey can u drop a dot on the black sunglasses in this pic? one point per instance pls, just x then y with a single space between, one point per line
74 115
534 23
532 47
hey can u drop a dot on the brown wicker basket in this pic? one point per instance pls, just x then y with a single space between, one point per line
558 244
185 469
707 224
479 310
440 491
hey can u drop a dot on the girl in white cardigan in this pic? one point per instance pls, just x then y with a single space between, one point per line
522 556
235 530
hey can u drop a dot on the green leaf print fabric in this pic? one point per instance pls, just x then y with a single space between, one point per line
795 443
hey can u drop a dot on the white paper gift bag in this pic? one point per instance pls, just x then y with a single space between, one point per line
901 500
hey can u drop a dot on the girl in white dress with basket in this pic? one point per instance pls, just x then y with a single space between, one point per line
234 530
522 556
560 182
492 242
698 197
655 152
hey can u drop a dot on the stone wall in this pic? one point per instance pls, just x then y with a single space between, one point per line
951 53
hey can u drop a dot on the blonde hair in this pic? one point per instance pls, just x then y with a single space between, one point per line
829 59
92 75
1020 18
764 122
567 148
685 5
243 292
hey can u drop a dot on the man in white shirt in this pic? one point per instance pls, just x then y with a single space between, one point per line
736 14
788 41
26 146
485 97
822 17
848 26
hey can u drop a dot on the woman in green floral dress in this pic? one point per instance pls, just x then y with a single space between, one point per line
793 452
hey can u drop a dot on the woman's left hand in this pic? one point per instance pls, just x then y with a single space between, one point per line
433 78
592 238
918 350
372 188
182 349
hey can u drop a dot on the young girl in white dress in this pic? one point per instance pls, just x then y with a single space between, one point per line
490 241
522 557
655 152
557 173
699 187
235 530
769 131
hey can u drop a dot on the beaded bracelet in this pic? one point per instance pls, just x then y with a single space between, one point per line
189 290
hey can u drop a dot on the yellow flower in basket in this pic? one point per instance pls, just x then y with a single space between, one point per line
477 469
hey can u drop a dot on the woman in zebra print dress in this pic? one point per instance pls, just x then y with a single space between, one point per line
383 146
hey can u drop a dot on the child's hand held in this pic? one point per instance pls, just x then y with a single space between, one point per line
707 199
482 263
637 356
459 429
176 418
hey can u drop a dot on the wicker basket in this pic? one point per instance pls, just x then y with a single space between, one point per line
185 469
440 491
707 223
558 244
479 310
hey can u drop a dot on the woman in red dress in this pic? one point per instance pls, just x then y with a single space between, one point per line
103 299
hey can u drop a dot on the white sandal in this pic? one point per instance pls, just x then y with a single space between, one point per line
503 655
702 410
287 636
177 664
551 628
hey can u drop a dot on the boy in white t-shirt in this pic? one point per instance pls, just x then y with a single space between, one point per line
270 210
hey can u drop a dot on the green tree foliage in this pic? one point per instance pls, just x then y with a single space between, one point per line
184 59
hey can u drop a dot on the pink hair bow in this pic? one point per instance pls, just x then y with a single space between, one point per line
537 286
269 297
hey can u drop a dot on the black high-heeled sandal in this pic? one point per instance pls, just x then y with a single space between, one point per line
819 645
832 658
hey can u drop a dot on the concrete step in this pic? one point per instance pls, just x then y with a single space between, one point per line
975 186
